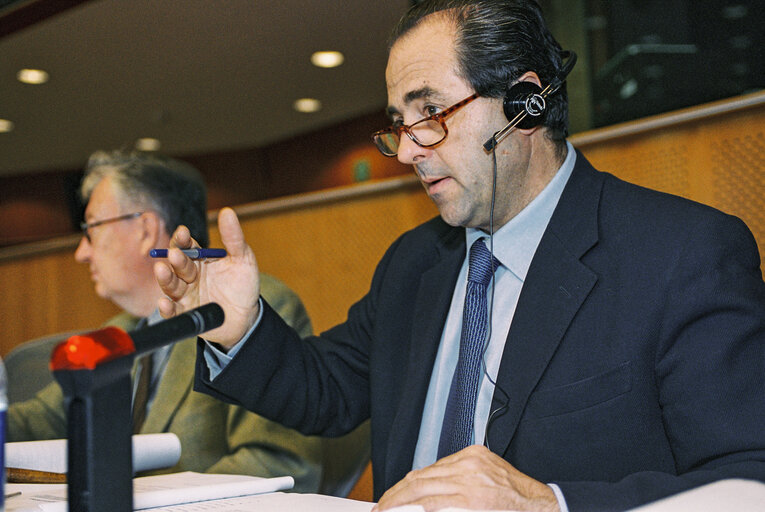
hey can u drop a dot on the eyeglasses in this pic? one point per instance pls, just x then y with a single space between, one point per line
86 226
426 133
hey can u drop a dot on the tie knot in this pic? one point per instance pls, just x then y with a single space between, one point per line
481 264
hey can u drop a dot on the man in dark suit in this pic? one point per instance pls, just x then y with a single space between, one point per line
623 349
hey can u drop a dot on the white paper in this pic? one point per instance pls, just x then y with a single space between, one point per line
150 451
276 502
33 496
153 491
188 487
155 451
420 508
730 494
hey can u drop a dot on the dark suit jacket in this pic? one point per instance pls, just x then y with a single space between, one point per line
634 365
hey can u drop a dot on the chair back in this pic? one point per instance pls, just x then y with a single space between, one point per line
27 366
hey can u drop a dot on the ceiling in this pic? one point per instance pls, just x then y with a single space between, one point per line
201 76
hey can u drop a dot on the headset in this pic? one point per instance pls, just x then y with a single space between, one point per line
524 103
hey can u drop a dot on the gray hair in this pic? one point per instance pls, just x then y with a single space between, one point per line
173 189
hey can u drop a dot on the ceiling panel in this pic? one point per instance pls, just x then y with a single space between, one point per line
201 76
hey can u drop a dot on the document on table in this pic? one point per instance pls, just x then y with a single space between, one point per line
150 451
731 494
276 502
153 491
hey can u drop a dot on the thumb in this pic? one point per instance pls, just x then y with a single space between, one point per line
231 232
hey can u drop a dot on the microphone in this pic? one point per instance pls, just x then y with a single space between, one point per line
188 324
92 349
495 139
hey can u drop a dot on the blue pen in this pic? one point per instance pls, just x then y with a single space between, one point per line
194 254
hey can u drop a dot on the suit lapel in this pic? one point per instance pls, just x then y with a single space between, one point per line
176 382
124 321
174 386
555 288
434 295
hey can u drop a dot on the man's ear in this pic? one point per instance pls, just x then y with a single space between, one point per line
152 233
530 76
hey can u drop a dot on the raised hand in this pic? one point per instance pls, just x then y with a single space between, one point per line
233 282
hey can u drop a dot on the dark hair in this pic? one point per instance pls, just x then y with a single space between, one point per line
497 42
173 189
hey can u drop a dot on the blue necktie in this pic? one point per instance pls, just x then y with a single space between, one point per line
457 429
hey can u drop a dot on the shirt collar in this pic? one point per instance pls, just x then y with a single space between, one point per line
154 317
516 242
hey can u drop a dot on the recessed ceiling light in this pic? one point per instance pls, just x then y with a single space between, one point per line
327 59
5 125
148 144
32 76
307 105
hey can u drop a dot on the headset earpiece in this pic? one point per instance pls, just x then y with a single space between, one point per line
525 103
525 97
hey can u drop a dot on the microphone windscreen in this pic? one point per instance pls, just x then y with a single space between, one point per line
490 144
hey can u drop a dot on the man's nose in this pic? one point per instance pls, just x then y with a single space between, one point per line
82 254
409 152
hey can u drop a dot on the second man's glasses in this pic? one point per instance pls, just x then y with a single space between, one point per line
87 226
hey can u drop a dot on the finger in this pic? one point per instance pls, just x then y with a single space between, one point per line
448 476
182 238
183 266
231 233
475 450
167 308
419 488
472 458
170 284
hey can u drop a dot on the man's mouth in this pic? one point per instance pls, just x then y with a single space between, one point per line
434 185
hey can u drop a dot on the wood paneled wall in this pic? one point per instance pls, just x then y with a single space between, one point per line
45 293
325 244
328 254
